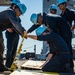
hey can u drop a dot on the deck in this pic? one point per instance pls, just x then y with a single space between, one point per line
26 71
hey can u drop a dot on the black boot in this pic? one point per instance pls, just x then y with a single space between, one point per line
69 69
3 68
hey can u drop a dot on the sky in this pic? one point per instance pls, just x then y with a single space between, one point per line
33 6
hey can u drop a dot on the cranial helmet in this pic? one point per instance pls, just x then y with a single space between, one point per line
60 1
34 18
53 6
22 8
40 30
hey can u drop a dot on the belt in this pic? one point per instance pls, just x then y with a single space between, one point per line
62 52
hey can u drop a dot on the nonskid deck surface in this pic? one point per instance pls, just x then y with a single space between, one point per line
29 67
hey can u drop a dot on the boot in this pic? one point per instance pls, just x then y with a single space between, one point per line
3 68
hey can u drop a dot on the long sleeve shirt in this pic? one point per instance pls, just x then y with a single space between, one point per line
56 43
10 21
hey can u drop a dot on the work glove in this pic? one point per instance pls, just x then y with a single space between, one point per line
25 34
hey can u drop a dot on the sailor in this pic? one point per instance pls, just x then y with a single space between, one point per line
69 16
12 39
59 51
10 21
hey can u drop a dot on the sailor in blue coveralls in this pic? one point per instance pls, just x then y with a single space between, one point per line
10 21
69 16
59 60
12 39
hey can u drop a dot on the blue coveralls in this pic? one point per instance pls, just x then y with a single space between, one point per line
60 62
8 21
12 43
69 16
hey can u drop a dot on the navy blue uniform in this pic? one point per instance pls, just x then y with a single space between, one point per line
69 16
12 43
8 21
61 59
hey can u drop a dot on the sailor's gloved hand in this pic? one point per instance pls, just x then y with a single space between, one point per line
25 34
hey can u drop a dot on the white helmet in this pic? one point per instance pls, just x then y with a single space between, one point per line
34 18
60 1
53 6
40 30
